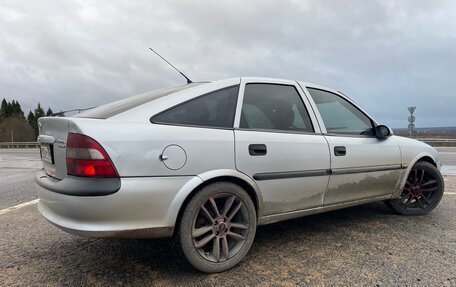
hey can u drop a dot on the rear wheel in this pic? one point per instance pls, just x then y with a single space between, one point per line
217 227
422 192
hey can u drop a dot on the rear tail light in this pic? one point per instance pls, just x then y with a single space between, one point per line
86 157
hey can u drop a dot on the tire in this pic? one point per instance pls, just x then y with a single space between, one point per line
217 227
422 192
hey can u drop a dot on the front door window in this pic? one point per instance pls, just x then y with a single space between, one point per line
339 115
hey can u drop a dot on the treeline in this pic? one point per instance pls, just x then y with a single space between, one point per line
13 124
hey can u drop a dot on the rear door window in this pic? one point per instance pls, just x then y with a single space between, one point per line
274 107
215 109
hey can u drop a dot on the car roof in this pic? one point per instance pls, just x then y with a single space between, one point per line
119 107
302 83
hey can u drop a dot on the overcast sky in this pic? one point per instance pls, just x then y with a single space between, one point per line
386 55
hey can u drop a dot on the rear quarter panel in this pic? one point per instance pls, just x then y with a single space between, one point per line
135 148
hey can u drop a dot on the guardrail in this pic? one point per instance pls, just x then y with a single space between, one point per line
19 145
439 142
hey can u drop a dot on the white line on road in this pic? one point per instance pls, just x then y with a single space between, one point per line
450 193
19 206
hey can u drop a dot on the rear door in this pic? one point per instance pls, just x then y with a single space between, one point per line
362 166
278 145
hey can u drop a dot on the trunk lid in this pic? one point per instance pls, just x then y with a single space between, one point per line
53 133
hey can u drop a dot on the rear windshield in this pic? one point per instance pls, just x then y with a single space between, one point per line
115 108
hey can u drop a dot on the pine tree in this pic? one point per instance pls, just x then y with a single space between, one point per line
32 118
8 110
32 121
12 118
39 112
16 110
3 109
49 112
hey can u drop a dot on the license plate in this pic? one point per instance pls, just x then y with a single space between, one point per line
46 154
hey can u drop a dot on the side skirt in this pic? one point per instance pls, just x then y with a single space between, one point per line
299 213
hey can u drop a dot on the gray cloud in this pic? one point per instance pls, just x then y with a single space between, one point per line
385 55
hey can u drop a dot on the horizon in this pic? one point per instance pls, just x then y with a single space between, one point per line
443 127
73 110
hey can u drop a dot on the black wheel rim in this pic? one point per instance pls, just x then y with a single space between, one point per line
220 228
420 190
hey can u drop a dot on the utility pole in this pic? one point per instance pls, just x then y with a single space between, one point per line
411 120
12 135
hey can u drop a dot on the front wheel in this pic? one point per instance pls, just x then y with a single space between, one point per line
422 192
217 227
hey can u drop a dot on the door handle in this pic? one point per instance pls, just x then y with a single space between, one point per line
340 151
257 149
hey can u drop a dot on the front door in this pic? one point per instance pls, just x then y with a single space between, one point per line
278 145
362 166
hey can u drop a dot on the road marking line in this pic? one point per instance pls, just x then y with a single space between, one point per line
19 206
450 193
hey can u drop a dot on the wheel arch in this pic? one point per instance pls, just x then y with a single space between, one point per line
189 190
416 190
426 157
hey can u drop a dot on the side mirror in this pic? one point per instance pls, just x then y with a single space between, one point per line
382 132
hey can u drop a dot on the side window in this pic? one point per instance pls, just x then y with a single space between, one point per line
215 109
339 115
274 107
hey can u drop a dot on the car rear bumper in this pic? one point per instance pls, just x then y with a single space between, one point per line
73 185
144 207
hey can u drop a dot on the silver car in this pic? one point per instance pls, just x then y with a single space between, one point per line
206 163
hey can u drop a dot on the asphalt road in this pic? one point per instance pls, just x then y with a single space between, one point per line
448 155
17 170
361 246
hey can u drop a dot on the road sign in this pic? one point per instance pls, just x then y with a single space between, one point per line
411 120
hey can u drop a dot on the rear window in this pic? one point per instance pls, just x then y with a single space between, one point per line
215 109
115 108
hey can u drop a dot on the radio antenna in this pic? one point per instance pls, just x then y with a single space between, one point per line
188 80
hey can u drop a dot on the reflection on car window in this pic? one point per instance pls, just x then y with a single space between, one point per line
115 108
215 109
339 115
274 107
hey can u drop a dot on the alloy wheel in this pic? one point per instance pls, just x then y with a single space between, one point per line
420 191
221 227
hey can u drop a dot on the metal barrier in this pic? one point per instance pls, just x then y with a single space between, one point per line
439 142
19 145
